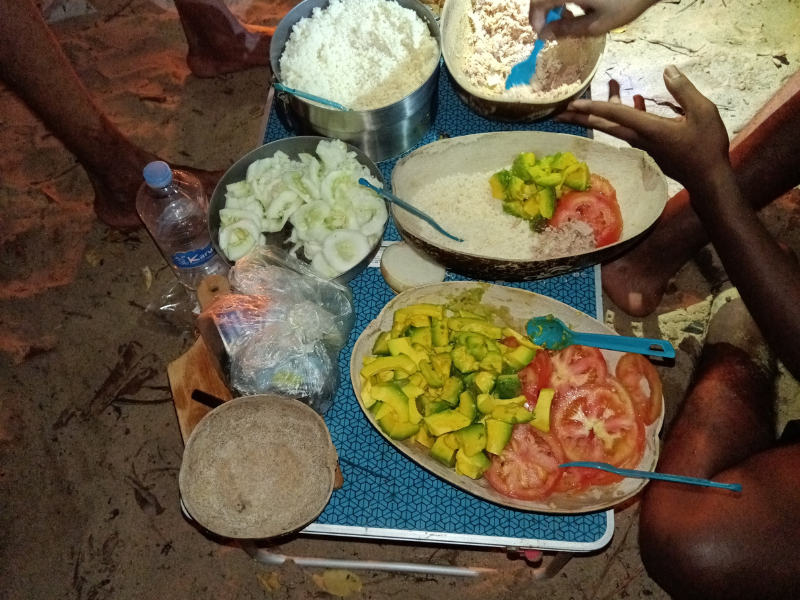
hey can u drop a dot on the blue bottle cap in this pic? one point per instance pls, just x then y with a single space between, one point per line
158 174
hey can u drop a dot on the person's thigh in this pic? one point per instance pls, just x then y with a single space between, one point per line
704 543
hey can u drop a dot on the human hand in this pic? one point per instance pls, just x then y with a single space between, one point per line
601 16
692 149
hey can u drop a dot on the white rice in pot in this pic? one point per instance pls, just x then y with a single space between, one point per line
364 54
464 206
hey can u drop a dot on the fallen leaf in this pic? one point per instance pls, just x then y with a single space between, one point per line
269 581
619 30
148 277
338 582
93 257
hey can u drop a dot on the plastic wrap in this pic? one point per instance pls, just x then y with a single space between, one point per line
281 330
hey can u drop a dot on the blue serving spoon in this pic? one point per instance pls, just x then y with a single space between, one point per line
522 73
280 87
405 205
734 487
551 333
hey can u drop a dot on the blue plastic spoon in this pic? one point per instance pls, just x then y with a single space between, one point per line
405 205
734 487
299 94
522 73
552 334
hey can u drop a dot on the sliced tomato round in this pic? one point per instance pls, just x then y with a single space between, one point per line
575 366
597 210
528 467
536 376
602 186
597 422
642 382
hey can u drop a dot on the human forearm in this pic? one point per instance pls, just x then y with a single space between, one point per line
767 278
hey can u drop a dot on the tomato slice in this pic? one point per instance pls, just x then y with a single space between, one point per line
536 376
575 366
633 371
598 422
602 186
598 210
528 467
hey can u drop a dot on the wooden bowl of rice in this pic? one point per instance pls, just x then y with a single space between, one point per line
573 60
449 180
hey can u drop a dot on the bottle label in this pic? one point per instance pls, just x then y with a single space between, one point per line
193 258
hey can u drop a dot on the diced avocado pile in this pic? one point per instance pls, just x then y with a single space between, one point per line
451 384
531 188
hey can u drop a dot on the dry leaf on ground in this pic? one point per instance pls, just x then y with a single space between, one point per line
338 582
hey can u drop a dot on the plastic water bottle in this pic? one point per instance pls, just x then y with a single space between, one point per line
174 209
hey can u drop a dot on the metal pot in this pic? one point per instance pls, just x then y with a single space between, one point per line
381 133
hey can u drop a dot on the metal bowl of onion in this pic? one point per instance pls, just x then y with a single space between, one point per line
307 203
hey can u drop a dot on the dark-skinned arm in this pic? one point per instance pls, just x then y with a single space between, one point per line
693 149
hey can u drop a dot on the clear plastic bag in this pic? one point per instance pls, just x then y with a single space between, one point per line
282 329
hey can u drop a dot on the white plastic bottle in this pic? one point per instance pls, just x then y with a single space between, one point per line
174 209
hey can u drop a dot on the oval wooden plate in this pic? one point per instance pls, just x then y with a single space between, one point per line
521 306
641 192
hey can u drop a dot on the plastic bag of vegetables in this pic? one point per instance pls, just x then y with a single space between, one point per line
282 330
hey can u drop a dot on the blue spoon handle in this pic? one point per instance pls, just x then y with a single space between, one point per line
522 73
734 487
312 97
406 206
648 346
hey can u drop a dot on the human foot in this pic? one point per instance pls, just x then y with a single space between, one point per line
218 42
634 285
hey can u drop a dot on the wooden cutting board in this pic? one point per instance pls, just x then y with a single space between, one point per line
194 370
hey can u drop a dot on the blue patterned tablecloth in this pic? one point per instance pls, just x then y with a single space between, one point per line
387 496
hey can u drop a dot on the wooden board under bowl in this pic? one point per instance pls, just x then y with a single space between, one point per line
641 192
521 306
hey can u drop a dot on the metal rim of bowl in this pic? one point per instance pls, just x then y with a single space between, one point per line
216 202
291 19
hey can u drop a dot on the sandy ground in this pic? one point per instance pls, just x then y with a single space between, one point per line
89 444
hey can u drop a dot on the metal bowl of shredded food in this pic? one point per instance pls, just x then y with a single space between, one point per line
298 199
472 30
451 181
379 59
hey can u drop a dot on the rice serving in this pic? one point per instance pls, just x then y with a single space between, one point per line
463 205
364 54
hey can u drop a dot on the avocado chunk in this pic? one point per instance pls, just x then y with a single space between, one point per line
431 376
397 429
450 440
443 453
519 358
512 414
439 334
522 166
438 406
389 363
467 406
380 410
577 177
424 438
541 413
472 466
548 180
483 383
463 360
381 346
546 199
419 321
445 422
475 326
493 361
421 336
403 346
472 439
451 389
488 403
441 364
523 341
498 434
392 395
516 208
563 160
508 386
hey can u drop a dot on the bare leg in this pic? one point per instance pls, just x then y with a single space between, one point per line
766 160
34 66
218 42
702 543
